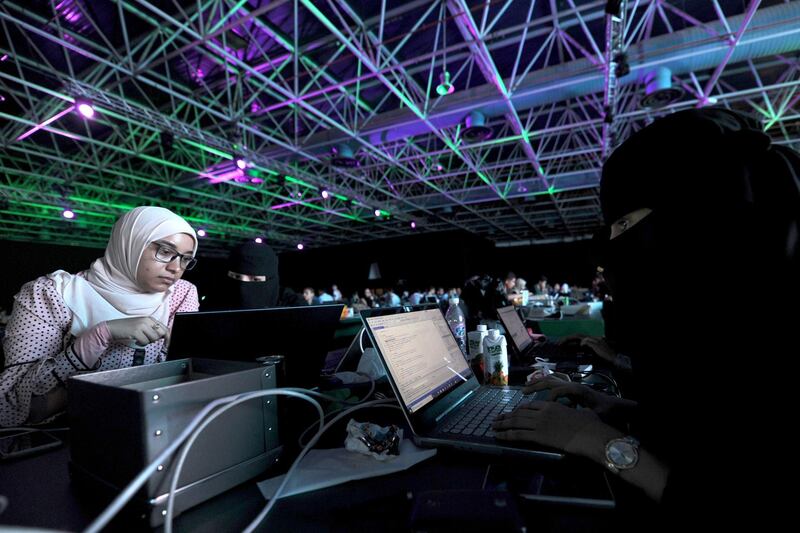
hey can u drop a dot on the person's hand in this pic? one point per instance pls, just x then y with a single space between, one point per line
600 347
549 424
600 403
141 330
574 339
597 345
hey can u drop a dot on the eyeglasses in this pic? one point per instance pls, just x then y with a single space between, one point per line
165 254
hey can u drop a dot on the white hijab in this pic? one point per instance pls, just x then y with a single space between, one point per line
109 291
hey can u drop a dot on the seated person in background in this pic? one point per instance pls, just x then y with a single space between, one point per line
324 297
337 294
390 298
116 314
705 453
252 281
369 300
542 288
521 285
309 296
510 287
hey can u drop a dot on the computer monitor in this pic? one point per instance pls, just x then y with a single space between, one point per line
302 335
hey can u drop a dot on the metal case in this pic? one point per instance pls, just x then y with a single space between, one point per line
122 419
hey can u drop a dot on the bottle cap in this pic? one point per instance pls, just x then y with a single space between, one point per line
482 327
494 334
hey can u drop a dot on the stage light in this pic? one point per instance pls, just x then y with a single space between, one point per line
325 194
445 87
300 246
68 214
201 232
241 163
377 212
413 225
85 109
259 240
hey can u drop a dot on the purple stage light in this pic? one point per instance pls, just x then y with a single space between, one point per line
413 225
201 233
86 110
241 163
66 213
259 240
300 246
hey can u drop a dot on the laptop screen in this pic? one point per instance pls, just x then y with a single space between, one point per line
421 355
514 327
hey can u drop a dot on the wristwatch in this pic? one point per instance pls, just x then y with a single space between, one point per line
622 454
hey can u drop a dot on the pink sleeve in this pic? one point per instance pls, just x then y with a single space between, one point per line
92 344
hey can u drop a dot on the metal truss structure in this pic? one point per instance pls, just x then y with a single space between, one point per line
330 121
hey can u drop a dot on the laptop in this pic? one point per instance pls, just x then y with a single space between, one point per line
352 355
302 335
441 398
521 342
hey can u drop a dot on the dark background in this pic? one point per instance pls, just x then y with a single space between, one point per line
439 259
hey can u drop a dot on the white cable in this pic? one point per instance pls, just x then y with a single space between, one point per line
127 493
32 428
337 400
361 339
241 398
263 514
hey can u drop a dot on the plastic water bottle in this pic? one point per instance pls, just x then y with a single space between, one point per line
455 319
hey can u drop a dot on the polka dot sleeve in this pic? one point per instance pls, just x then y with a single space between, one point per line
38 346
36 334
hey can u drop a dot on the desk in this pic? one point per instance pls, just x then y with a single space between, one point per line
567 326
348 327
40 495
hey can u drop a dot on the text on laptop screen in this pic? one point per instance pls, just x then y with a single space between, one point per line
514 327
420 354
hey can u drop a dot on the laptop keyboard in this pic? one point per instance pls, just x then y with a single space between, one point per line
476 418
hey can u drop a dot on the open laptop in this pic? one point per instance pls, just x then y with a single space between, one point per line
302 335
352 355
436 388
521 342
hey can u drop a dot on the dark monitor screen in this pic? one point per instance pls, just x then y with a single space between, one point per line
302 335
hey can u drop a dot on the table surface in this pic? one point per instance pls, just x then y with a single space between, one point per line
41 495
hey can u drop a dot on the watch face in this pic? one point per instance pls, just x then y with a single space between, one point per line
621 453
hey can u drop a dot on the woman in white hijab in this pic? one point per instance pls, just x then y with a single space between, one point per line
117 313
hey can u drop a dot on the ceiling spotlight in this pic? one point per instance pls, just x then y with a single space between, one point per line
201 232
413 225
84 108
658 89
377 212
259 240
476 129
343 156
300 246
241 163
256 181
445 87
325 194
3 57
68 214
